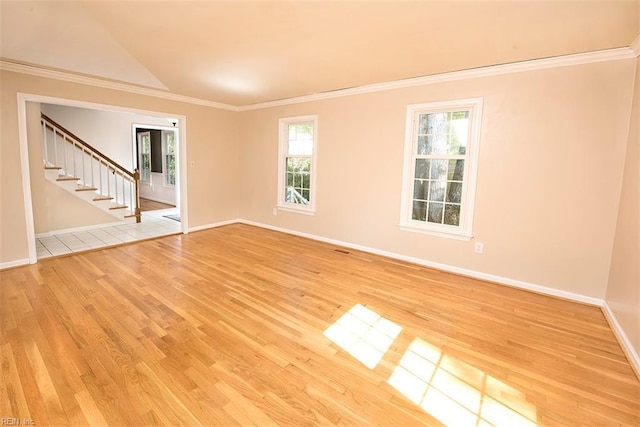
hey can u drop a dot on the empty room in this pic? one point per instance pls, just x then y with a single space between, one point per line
320 213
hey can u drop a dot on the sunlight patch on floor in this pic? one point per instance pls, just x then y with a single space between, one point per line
457 393
364 334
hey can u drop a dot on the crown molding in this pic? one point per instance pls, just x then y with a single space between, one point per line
106 84
474 73
633 51
635 46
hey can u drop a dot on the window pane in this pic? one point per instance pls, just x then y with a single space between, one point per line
456 170
171 145
454 192
422 145
297 180
436 191
437 143
419 211
435 212
170 177
438 169
297 164
300 139
422 168
437 123
458 132
422 124
452 214
420 189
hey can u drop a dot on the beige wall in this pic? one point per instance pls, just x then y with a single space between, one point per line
211 143
53 207
623 291
551 157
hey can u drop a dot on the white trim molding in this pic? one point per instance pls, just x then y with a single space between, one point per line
16 263
215 224
108 84
623 339
473 73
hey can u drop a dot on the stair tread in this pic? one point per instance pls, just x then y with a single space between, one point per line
86 188
67 178
57 168
100 198
118 207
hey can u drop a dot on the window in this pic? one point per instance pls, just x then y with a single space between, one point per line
169 149
144 147
297 163
441 156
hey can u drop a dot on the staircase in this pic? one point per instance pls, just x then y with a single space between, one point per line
79 168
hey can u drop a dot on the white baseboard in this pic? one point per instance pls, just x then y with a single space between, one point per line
17 263
623 339
445 267
214 225
77 229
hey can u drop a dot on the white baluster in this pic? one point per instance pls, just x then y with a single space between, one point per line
55 147
44 144
64 153
91 164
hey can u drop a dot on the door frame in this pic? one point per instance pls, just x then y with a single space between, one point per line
181 154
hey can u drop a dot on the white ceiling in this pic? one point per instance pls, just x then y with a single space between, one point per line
240 53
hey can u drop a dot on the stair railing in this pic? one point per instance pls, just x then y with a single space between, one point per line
77 160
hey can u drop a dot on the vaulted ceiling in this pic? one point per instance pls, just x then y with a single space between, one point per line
240 53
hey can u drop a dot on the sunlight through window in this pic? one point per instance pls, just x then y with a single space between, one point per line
456 393
364 334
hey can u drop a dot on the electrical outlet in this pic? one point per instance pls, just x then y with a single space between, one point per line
478 248
275 211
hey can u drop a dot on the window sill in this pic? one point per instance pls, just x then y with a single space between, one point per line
437 233
296 210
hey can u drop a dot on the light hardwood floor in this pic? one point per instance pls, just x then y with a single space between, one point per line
233 326
151 205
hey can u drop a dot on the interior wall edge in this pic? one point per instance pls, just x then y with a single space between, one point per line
445 267
623 339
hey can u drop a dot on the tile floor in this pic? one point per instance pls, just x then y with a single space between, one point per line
153 224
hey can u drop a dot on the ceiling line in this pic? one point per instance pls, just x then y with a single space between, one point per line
492 70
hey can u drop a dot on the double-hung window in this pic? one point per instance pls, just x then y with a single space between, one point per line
144 162
169 149
297 163
441 157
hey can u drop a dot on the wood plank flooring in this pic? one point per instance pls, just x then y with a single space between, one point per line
244 326
151 205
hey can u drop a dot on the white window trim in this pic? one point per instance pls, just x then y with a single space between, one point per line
283 140
465 230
